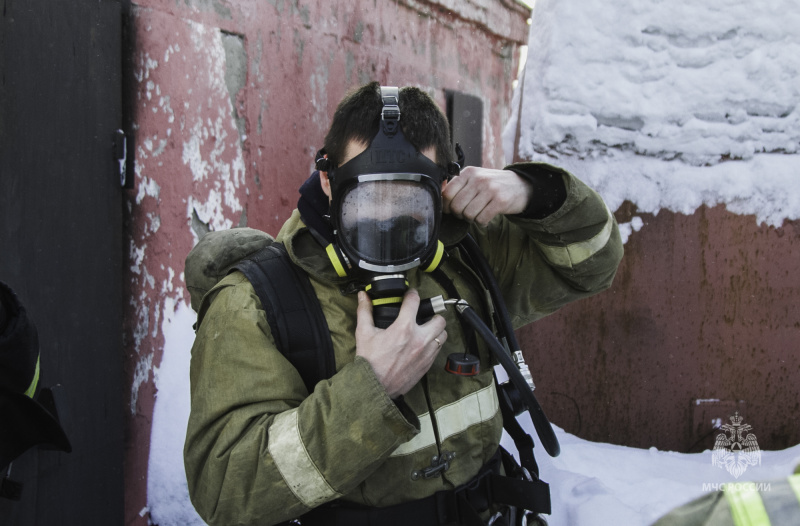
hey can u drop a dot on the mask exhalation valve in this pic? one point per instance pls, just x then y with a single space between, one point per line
386 292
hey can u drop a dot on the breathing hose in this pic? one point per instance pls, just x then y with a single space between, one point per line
543 427
540 422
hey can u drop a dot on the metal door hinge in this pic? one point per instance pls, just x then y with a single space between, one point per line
121 159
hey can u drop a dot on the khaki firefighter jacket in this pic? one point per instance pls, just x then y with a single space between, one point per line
260 449
770 503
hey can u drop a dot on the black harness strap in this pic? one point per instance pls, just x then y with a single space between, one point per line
522 440
449 287
293 312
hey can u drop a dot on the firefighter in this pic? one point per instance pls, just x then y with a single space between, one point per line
28 413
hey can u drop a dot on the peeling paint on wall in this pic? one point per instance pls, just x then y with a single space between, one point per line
235 74
201 161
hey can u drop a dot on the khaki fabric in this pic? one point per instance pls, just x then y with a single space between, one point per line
261 450
708 510
774 502
214 255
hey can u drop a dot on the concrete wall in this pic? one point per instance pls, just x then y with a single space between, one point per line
228 102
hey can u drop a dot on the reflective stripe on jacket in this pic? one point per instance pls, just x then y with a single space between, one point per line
753 505
772 503
260 449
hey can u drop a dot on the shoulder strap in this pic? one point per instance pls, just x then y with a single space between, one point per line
293 312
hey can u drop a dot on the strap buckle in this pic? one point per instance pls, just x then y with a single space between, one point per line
390 114
439 464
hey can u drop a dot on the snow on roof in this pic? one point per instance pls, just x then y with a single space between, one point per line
668 104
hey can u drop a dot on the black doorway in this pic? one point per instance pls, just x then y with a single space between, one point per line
61 244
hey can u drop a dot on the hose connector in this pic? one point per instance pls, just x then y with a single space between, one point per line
523 368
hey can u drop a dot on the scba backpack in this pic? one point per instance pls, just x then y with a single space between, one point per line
282 288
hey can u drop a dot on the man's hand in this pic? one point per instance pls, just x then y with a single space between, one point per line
480 194
401 354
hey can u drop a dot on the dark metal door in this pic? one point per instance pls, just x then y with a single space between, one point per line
61 243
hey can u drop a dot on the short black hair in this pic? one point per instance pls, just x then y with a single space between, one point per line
358 117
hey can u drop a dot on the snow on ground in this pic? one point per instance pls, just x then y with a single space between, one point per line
598 484
667 104
167 490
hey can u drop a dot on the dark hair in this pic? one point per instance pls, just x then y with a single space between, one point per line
358 116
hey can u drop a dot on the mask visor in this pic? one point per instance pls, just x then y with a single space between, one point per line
388 222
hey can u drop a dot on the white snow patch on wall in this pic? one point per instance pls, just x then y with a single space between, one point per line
140 376
136 256
147 188
167 489
192 156
210 211
649 101
212 154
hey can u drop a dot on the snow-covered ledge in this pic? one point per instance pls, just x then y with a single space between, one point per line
668 104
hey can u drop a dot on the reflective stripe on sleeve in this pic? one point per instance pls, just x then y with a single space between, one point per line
453 418
423 439
747 508
294 463
35 382
577 253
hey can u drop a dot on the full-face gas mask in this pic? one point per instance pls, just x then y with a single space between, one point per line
386 203
386 211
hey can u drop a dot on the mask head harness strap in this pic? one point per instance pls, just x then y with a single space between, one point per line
321 161
390 114
454 167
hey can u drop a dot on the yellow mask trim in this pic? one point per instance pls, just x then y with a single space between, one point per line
437 258
337 263
386 301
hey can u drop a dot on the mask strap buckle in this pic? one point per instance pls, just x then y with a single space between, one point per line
390 114
454 168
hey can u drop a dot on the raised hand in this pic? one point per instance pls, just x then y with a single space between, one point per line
480 194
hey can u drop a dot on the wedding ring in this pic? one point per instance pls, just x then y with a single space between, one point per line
438 343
